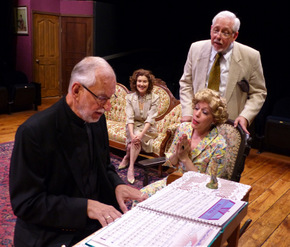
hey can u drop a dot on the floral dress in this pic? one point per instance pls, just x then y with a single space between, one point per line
207 156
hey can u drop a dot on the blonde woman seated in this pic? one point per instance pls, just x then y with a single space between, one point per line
197 146
141 111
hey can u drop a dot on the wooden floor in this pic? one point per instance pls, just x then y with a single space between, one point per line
267 173
10 123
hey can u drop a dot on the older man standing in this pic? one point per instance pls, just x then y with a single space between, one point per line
62 184
233 69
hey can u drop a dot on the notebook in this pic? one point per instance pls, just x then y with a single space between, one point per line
171 217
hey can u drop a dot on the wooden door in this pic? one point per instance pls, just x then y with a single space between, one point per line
46 66
76 43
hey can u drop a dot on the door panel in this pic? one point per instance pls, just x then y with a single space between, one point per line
76 43
46 53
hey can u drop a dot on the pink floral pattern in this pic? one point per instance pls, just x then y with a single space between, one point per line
164 100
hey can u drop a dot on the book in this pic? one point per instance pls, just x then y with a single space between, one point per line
142 227
193 206
174 216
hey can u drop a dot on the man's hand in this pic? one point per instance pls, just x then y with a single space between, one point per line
125 193
243 122
105 214
186 119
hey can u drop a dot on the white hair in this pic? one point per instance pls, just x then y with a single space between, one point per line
85 71
228 14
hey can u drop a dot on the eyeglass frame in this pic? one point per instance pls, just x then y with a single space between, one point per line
102 100
222 33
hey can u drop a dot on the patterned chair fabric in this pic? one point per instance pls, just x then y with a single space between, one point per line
164 100
166 128
169 113
233 140
116 117
117 112
238 147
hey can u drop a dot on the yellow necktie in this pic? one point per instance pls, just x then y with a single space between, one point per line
215 74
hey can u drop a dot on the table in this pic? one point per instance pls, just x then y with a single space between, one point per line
194 181
231 232
227 189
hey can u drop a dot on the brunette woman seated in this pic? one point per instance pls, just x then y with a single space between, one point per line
141 111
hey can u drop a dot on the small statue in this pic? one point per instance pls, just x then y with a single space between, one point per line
213 184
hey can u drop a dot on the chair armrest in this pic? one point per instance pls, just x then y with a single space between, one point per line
152 162
168 138
164 143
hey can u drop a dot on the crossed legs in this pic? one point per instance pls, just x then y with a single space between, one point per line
132 153
125 161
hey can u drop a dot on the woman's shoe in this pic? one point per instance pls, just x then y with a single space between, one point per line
124 164
131 181
130 176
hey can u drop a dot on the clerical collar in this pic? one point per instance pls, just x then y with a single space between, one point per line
74 117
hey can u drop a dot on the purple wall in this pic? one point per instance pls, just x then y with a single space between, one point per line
24 49
76 7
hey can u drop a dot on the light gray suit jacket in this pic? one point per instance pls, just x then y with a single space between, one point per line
245 65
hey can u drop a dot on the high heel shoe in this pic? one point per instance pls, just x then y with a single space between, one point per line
123 164
131 181
130 173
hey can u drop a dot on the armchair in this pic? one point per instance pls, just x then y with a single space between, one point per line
22 93
238 148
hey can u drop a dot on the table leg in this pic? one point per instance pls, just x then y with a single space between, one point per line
234 237
145 180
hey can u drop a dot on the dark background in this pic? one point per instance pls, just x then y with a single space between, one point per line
164 30
160 33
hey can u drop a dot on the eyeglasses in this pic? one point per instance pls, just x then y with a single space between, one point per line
101 100
224 34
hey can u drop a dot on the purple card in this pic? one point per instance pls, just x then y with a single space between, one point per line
217 210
